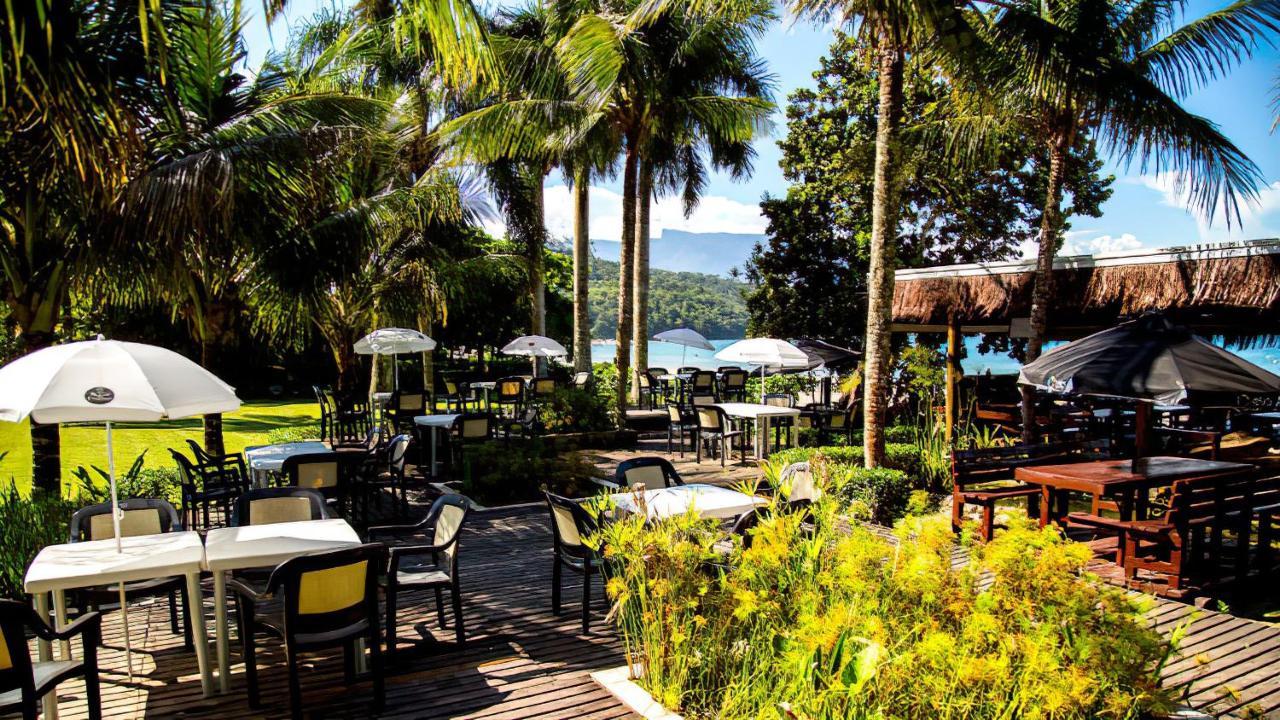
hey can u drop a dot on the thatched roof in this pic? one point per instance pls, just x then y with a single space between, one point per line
1231 289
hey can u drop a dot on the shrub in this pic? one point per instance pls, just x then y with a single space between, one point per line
499 473
309 430
573 410
898 456
812 622
27 524
136 482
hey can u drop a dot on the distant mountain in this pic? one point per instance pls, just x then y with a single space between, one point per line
680 251
712 304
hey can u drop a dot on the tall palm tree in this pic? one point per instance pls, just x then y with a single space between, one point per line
74 78
1117 72
894 29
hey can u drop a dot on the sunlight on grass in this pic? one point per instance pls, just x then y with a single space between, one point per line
85 444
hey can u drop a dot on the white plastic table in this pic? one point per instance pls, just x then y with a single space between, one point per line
761 414
435 423
710 501
58 568
270 458
258 546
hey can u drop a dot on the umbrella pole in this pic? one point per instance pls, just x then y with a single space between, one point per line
761 384
684 350
115 522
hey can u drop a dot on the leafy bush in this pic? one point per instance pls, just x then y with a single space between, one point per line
295 433
898 456
136 482
818 623
573 410
26 526
499 473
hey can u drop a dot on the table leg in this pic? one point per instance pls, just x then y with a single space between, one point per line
1046 502
362 663
60 622
44 651
433 451
199 632
220 630
762 450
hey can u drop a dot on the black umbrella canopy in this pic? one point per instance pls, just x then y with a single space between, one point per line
1149 358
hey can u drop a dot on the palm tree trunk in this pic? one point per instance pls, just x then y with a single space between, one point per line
1042 292
46 440
622 337
213 421
640 277
581 270
537 273
884 225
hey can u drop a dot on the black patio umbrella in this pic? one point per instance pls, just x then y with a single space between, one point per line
1148 358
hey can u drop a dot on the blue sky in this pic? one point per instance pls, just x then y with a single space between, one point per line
1143 211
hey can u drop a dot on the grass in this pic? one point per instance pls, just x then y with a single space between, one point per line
85 443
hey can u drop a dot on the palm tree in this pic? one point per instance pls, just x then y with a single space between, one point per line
893 29
73 79
1117 74
232 163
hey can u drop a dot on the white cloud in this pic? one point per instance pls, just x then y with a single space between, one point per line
1257 217
715 213
1086 242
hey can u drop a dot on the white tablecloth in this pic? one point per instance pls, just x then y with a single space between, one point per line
707 500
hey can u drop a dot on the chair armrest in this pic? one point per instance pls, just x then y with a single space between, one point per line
247 591
377 530
88 623
397 552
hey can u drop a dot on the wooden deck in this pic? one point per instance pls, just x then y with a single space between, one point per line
522 662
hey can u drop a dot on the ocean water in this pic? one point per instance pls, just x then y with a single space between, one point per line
669 356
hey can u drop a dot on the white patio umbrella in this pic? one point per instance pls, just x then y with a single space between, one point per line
685 337
535 346
767 353
109 381
394 341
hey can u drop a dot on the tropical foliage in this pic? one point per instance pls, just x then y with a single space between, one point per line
815 621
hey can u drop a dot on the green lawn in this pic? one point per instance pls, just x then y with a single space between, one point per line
85 444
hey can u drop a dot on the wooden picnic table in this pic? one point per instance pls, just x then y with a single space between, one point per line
1127 482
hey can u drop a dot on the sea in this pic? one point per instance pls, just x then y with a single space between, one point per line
670 356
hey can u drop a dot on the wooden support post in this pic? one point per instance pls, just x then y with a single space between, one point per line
953 377
1142 429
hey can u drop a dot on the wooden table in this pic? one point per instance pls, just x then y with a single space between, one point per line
761 414
710 501
260 546
1127 482
58 568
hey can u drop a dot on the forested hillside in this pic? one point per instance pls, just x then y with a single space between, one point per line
710 304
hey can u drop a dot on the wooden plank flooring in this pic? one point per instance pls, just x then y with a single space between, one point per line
520 661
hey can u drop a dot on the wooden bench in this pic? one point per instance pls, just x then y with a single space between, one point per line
1189 541
984 477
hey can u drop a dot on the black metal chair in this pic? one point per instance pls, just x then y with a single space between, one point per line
392 475
23 682
264 506
782 426
679 422
324 398
406 405
733 385
703 382
714 428
652 472
325 472
140 516
454 395
327 599
570 524
209 481
510 392
417 565
649 388
352 418
839 423
527 424
469 429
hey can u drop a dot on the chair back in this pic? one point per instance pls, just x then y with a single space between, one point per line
688 370
659 371
207 472
570 524
141 516
703 400
510 389
447 515
409 403
397 454
703 382
450 387
735 379
675 414
373 439
652 472
474 426
645 380
710 417
267 506
333 593
798 479
779 400
544 387
317 471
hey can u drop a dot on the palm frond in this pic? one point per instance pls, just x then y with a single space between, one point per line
1208 47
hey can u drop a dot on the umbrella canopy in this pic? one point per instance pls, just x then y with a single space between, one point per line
109 381
394 341
535 346
767 353
685 337
824 354
1148 358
